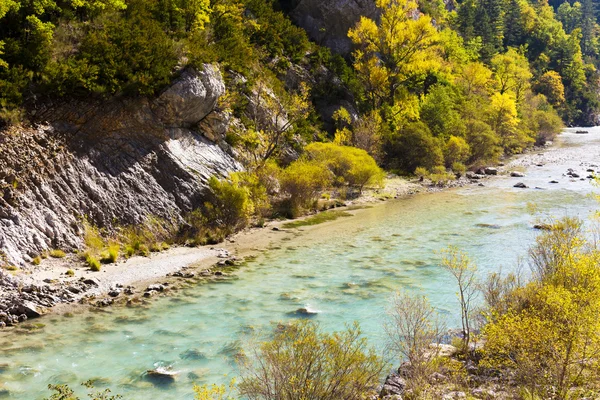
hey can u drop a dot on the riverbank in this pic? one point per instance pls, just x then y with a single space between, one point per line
60 285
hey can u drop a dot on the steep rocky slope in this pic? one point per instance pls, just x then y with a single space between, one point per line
328 22
114 162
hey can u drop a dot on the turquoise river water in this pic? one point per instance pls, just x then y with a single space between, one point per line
347 270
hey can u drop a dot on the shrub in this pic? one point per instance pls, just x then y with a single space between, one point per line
456 150
56 253
348 164
129 251
302 362
413 146
155 247
37 260
459 168
231 206
440 176
303 181
70 272
93 263
412 325
143 250
111 254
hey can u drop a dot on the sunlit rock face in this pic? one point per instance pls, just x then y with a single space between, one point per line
113 162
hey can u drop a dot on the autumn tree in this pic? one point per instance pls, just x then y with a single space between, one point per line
512 73
550 84
400 50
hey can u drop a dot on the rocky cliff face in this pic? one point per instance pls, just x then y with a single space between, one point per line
114 162
328 21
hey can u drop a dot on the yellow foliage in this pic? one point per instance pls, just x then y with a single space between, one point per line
349 165
402 46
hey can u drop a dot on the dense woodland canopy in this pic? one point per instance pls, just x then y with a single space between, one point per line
436 85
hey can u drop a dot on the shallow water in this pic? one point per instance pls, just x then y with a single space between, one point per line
346 270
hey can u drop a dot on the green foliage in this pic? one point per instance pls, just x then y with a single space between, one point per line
316 219
413 146
37 260
302 362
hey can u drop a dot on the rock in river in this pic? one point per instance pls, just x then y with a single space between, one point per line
520 185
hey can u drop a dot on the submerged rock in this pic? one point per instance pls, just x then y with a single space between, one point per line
161 375
193 354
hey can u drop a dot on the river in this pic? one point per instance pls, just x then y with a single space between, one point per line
347 270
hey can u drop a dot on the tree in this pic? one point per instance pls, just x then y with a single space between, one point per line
456 150
400 49
413 146
511 70
412 326
301 362
464 273
272 116
546 334
475 79
550 85
483 141
504 121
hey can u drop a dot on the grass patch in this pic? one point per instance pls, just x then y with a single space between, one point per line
93 263
37 260
70 273
56 253
110 255
316 219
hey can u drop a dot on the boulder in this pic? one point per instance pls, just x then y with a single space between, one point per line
27 308
161 375
520 185
190 98
491 171
157 288
394 386
92 282
517 174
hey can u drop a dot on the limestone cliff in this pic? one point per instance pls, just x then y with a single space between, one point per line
114 162
327 21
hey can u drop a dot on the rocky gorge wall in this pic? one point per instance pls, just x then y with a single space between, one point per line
114 162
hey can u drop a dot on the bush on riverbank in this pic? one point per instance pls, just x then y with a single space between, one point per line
303 362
